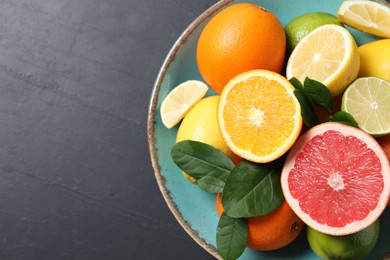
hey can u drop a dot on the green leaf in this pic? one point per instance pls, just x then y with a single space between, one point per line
307 108
253 189
232 236
211 184
199 159
319 94
296 83
344 118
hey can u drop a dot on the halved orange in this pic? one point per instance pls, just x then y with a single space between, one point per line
259 116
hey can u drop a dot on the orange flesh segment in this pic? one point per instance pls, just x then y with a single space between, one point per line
268 117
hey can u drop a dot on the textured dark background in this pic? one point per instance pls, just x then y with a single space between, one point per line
76 180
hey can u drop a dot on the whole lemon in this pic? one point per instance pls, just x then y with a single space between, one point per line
375 59
201 124
302 25
354 246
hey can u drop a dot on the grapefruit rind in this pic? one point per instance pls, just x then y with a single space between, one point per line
294 203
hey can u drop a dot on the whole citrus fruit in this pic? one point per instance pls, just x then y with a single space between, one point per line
336 178
271 231
239 38
302 25
375 59
353 246
218 204
201 124
274 230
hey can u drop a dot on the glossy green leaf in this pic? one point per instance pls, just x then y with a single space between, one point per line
232 236
307 108
319 94
296 83
344 118
253 189
199 159
211 184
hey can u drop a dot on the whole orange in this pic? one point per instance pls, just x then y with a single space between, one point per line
274 230
239 38
218 204
271 231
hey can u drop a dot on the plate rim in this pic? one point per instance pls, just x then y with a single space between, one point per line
151 121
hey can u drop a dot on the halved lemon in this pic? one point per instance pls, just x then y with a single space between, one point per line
328 54
367 16
177 103
259 116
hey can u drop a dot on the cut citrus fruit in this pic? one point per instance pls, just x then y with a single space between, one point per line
337 179
368 101
366 16
259 116
302 25
328 54
177 103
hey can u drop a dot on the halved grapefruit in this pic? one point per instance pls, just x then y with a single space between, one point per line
336 178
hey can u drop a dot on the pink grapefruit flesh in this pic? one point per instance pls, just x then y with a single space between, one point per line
336 178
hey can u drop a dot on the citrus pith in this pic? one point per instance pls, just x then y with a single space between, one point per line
367 16
302 25
336 178
180 100
328 54
259 115
368 101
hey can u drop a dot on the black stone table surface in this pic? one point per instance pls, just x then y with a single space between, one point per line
76 181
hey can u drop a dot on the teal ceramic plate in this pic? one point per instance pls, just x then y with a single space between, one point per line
193 208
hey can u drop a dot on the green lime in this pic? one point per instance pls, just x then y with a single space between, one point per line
354 246
367 100
302 25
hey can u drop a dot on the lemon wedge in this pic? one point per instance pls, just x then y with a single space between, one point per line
366 16
181 99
